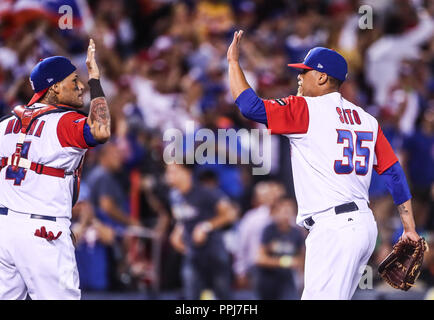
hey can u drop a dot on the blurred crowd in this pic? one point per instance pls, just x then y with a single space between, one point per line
163 63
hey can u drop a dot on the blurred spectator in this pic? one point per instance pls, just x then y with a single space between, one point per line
91 240
249 231
111 206
106 193
418 157
418 160
400 41
280 254
160 223
404 100
213 17
200 214
304 38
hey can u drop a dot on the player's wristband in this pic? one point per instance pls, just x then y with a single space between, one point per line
285 261
95 89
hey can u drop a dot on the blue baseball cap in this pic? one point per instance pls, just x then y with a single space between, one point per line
47 72
324 60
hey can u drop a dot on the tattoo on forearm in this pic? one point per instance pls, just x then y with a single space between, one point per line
406 215
402 210
99 111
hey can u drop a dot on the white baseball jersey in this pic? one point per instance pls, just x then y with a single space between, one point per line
55 140
334 147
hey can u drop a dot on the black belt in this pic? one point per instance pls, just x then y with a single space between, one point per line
343 208
4 211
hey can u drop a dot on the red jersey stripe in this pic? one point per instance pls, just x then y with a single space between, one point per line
287 115
385 155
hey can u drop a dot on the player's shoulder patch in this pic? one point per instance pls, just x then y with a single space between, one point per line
280 101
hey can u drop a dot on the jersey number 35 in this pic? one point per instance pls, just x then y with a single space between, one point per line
347 167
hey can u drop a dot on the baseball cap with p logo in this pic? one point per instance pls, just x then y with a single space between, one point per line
47 72
324 60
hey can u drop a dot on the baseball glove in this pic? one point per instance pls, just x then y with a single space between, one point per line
401 267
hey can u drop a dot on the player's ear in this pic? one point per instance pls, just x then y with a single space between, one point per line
322 79
55 88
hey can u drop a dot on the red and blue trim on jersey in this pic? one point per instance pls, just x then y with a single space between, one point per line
73 131
288 115
385 155
389 167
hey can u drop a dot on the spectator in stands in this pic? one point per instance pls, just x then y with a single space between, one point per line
418 161
304 38
106 193
249 231
418 156
400 41
403 103
111 206
200 214
92 239
280 254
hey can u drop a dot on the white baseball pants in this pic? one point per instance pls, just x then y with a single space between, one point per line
30 264
338 248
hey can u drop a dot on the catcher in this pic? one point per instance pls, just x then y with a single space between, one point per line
42 146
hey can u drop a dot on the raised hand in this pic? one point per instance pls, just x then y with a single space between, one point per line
234 49
237 80
92 67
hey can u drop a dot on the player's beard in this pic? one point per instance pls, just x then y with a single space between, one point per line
77 103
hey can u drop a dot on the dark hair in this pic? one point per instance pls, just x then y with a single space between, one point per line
335 82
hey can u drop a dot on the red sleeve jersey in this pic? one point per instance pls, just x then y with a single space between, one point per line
288 115
70 130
